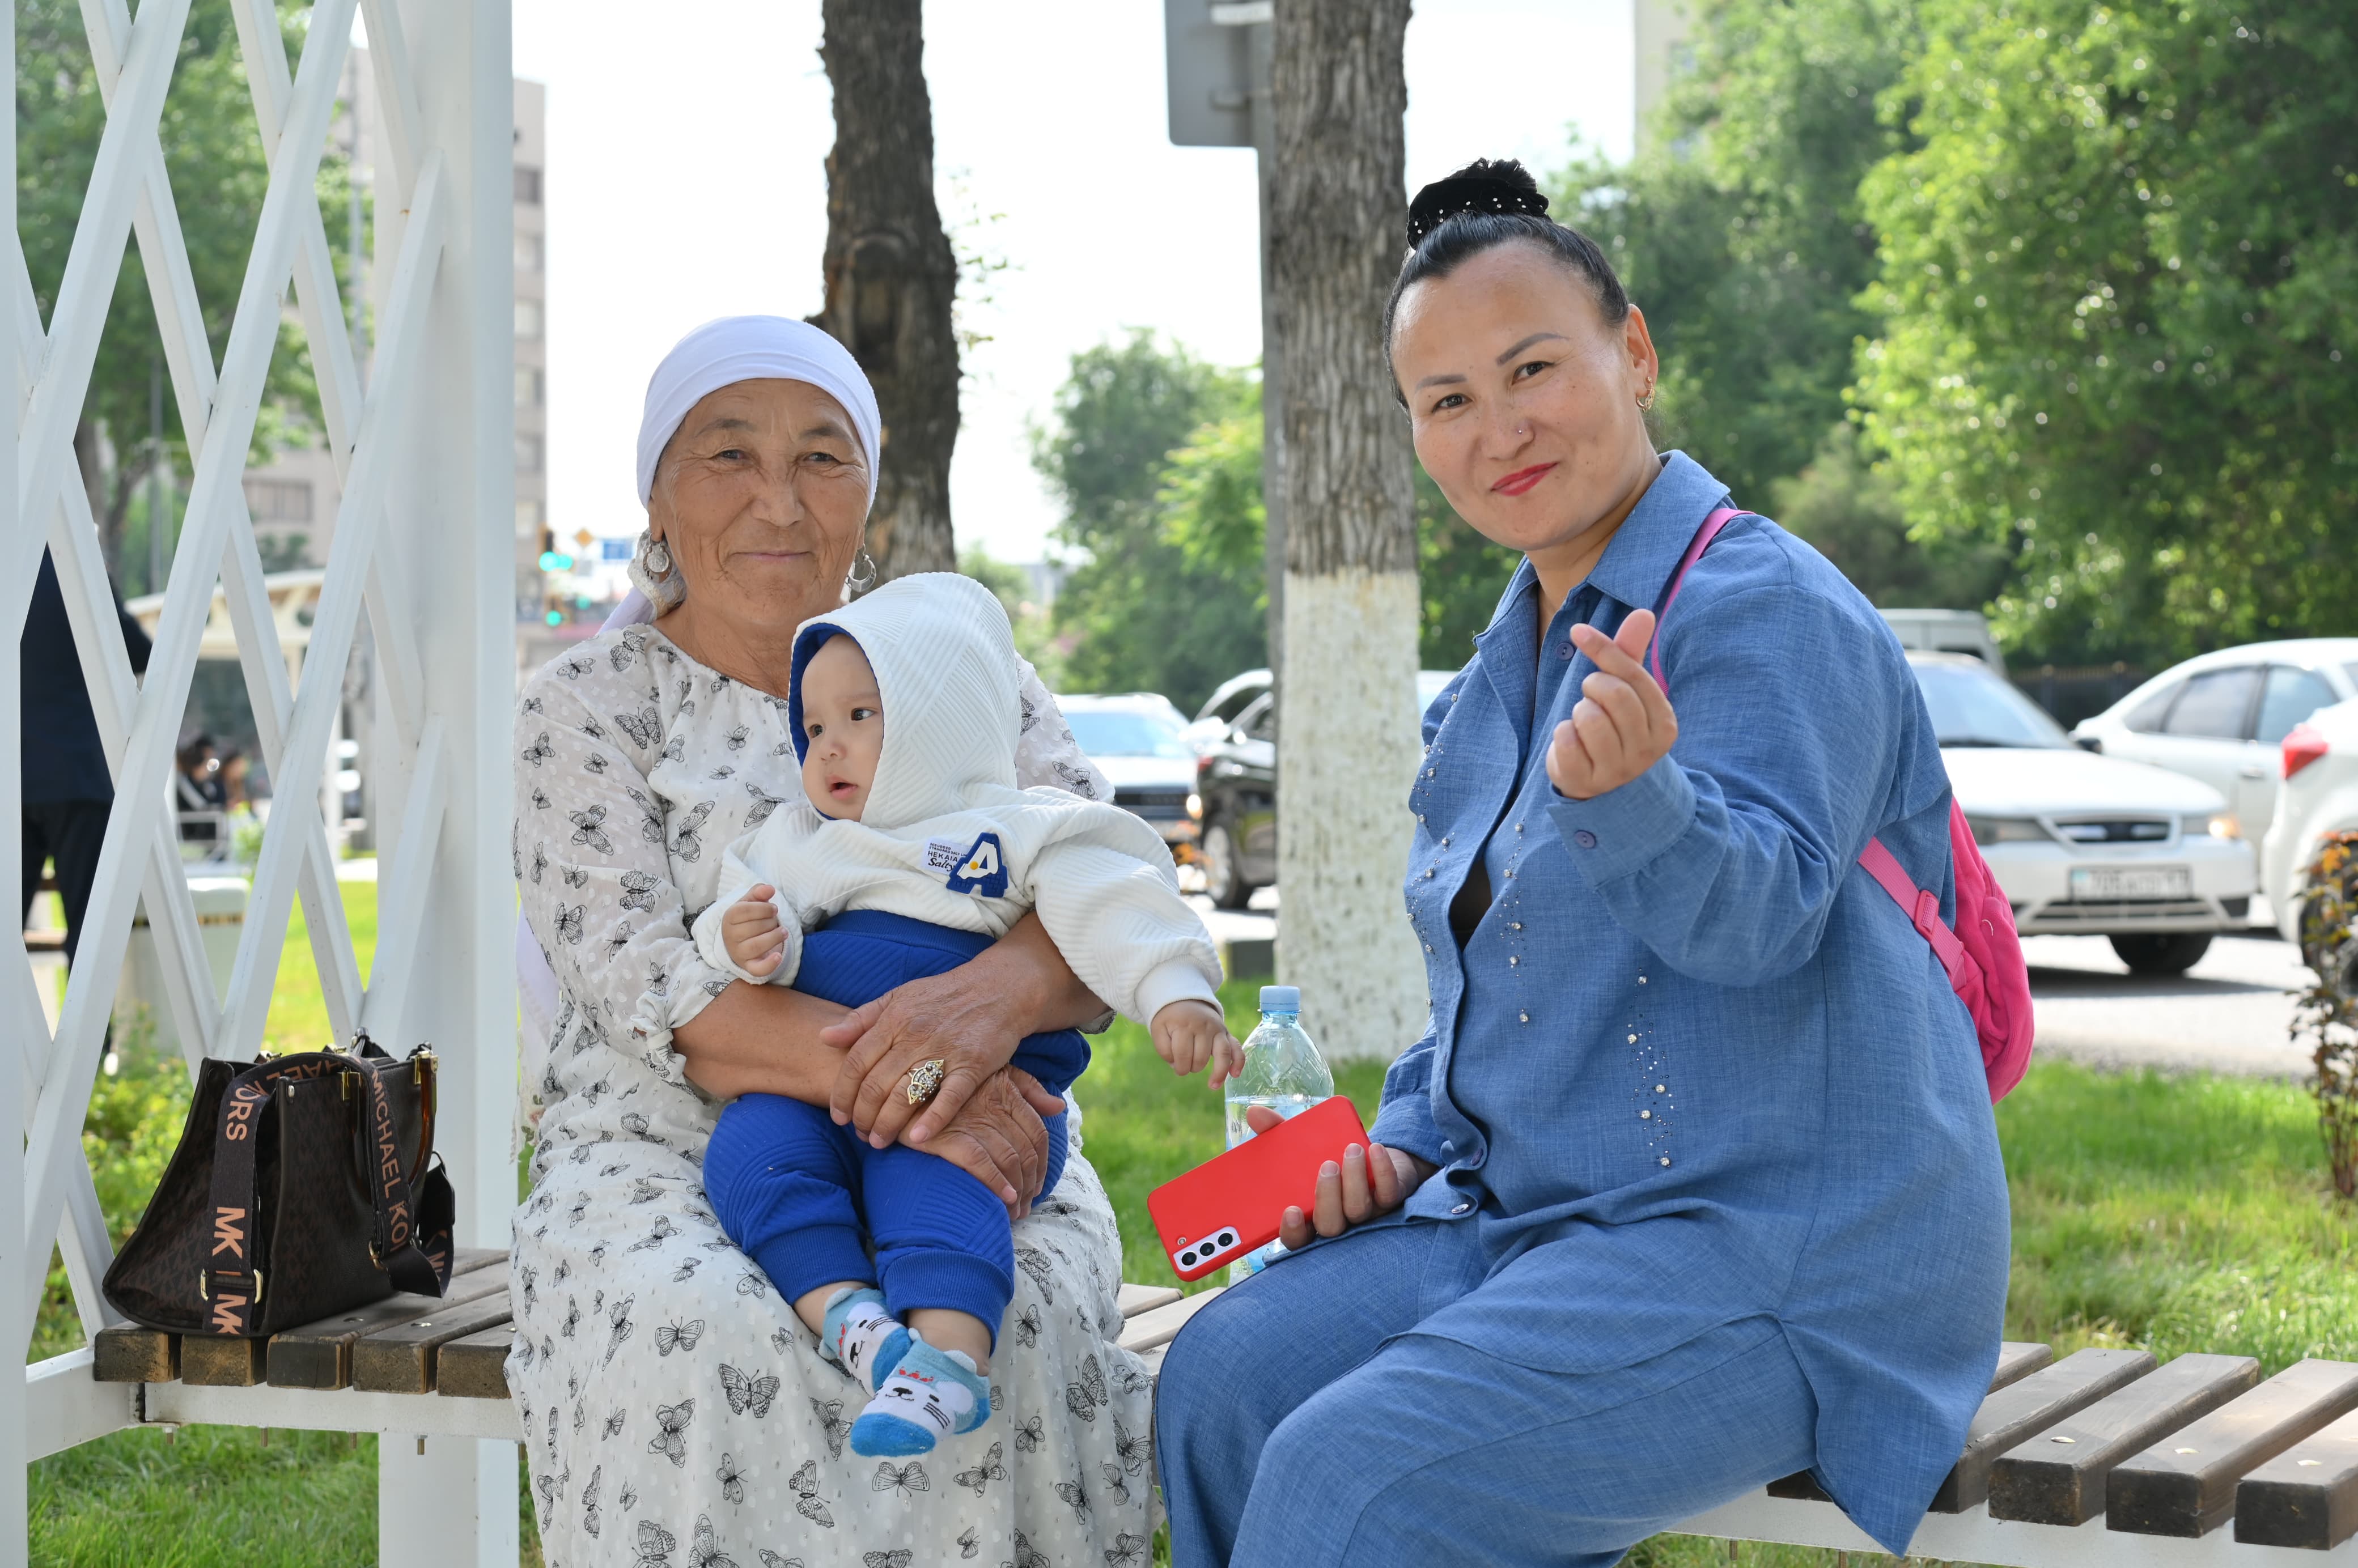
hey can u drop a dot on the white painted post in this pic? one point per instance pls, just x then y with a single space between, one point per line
15 1256
446 556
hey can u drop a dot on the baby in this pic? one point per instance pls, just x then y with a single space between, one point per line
911 852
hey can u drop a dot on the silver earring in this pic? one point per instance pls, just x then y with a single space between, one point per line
659 558
863 574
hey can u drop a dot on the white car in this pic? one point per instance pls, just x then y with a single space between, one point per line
2083 844
2221 719
2318 763
1136 741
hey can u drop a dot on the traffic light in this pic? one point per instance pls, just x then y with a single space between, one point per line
553 559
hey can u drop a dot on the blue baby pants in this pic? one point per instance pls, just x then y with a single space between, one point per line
1350 1404
803 1196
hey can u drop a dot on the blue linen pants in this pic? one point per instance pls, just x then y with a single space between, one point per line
1306 1418
803 1196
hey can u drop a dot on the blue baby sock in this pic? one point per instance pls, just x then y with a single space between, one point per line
928 1394
862 1336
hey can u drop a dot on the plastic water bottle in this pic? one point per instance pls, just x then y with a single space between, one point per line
1284 1071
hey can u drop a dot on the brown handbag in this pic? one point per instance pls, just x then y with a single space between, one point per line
303 1186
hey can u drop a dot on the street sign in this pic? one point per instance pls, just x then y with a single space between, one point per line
584 538
1209 71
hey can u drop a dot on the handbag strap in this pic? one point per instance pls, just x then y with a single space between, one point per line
231 1294
416 1262
398 1244
1720 518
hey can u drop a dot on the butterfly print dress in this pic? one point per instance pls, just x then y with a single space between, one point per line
674 1410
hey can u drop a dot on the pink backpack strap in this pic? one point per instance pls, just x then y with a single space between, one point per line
1695 548
1923 908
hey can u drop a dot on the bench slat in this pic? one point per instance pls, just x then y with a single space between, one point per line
2016 1359
1136 1299
2306 1496
130 1353
2185 1484
2028 1407
215 1361
320 1355
475 1367
400 1360
2059 1476
1149 1329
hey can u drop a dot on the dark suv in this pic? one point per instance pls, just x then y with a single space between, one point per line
1236 796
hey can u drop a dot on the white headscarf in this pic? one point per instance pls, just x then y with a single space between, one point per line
718 353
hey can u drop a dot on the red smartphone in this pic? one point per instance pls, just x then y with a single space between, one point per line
1231 1205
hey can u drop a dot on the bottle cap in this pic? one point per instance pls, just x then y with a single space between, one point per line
1280 999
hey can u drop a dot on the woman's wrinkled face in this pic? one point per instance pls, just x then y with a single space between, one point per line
761 496
1522 398
843 728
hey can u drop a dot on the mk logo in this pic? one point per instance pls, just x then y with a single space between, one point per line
229 1313
229 1232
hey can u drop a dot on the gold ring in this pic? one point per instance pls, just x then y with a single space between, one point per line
925 1081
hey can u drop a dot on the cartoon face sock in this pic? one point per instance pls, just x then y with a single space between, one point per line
864 1339
929 1394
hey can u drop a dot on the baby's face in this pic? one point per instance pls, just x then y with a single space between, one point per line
843 724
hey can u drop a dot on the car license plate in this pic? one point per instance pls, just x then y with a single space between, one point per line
2104 884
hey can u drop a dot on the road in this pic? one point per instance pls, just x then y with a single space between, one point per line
2229 1014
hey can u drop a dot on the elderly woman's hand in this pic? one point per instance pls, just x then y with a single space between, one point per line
1366 1183
1622 724
961 1019
998 1138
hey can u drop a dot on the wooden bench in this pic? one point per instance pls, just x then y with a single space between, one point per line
2104 1458
409 1365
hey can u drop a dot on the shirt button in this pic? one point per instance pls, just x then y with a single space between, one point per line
1645 1116
1428 873
1565 651
1444 840
1584 838
1461 1208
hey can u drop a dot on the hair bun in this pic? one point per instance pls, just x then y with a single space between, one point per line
1503 185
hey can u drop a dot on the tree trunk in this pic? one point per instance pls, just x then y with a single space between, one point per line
891 274
91 455
1347 747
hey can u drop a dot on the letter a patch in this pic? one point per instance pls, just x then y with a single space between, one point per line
982 870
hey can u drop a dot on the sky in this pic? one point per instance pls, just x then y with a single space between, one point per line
687 180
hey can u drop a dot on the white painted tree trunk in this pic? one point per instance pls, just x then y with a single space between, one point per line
1347 753
1347 742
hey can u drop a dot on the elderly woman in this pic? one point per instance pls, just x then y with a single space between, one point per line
671 1400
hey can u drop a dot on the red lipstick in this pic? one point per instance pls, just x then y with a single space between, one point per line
1522 480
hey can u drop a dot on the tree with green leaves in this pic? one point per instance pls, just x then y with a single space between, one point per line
2116 287
1145 611
212 155
1157 458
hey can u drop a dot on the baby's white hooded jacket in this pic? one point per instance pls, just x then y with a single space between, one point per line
946 836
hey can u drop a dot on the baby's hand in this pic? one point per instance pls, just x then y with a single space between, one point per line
751 933
1188 1035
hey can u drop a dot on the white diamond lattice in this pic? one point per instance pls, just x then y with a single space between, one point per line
138 719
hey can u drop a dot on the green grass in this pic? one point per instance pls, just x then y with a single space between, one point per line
2174 1212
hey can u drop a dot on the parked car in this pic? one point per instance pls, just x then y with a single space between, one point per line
2221 719
1225 707
1135 740
2318 760
2086 844
1947 632
1236 790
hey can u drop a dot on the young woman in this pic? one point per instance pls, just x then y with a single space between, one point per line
1692 1181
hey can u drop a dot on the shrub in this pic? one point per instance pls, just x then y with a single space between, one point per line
2327 1013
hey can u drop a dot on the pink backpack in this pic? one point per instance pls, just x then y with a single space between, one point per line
1983 954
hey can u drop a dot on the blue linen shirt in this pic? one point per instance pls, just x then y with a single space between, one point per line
1690 1035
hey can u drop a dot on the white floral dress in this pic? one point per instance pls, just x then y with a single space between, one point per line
676 1412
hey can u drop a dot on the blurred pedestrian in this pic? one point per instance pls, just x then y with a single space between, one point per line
67 787
197 784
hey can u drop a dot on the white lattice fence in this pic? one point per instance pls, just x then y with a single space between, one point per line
423 444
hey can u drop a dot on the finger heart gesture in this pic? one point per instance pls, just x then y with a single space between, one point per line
1622 724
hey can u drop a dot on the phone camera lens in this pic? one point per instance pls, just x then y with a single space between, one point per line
1187 1260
